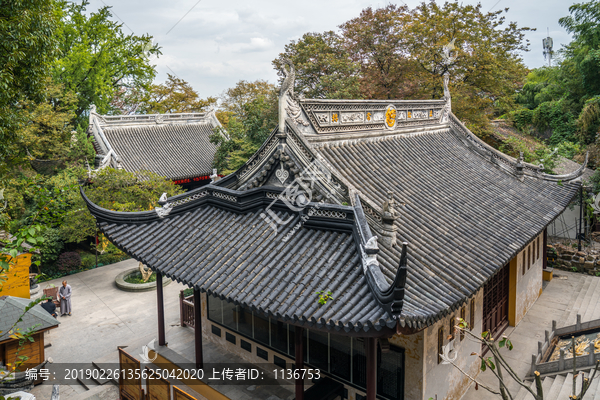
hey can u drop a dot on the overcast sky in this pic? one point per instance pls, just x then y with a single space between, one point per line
214 44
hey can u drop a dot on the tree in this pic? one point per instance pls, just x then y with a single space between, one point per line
97 59
377 41
487 67
117 190
249 113
324 68
27 49
174 96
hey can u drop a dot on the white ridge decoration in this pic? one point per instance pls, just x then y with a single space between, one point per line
282 174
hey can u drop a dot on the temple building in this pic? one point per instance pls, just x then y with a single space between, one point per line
176 146
352 240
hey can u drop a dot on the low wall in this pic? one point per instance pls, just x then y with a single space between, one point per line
564 363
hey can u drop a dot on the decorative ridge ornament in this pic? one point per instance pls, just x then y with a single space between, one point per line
288 104
448 57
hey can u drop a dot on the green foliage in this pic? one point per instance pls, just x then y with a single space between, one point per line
539 154
51 247
116 190
505 342
324 68
137 279
324 297
27 35
97 60
522 119
174 96
249 119
392 52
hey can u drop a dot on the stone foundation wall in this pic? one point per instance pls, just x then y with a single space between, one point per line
569 259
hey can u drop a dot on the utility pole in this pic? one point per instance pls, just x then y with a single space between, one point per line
547 44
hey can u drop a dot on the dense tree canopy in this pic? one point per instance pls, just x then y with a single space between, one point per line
97 60
396 52
28 46
249 114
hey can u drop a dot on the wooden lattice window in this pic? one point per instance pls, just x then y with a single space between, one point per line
451 325
472 314
463 316
523 262
440 343
528 257
539 241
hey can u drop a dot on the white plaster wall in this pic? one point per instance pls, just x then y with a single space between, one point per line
446 381
565 225
529 286
413 346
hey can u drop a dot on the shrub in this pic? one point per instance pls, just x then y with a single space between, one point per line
88 260
51 246
68 262
522 119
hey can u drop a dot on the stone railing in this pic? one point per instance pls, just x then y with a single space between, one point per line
541 363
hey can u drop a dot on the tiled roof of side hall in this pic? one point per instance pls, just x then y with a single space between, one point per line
11 309
176 146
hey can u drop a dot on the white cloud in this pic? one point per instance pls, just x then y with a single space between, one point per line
218 43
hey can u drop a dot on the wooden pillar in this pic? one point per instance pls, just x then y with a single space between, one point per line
161 309
299 341
371 353
198 328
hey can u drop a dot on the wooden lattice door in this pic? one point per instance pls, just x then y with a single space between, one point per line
495 303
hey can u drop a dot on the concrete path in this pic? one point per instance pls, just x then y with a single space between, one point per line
105 317
562 299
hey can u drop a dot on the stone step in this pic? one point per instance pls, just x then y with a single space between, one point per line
570 317
589 294
84 380
567 388
546 385
596 312
593 392
555 388
523 394
99 377
595 296
578 288
593 389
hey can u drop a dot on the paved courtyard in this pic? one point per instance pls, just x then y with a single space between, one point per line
105 317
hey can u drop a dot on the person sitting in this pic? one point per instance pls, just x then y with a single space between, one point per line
49 306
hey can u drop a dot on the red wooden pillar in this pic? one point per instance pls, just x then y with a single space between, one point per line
198 328
299 341
371 350
161 309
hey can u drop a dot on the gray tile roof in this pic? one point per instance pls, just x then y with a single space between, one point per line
239 258
176 146
173 151
464 218
468 210
11 308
